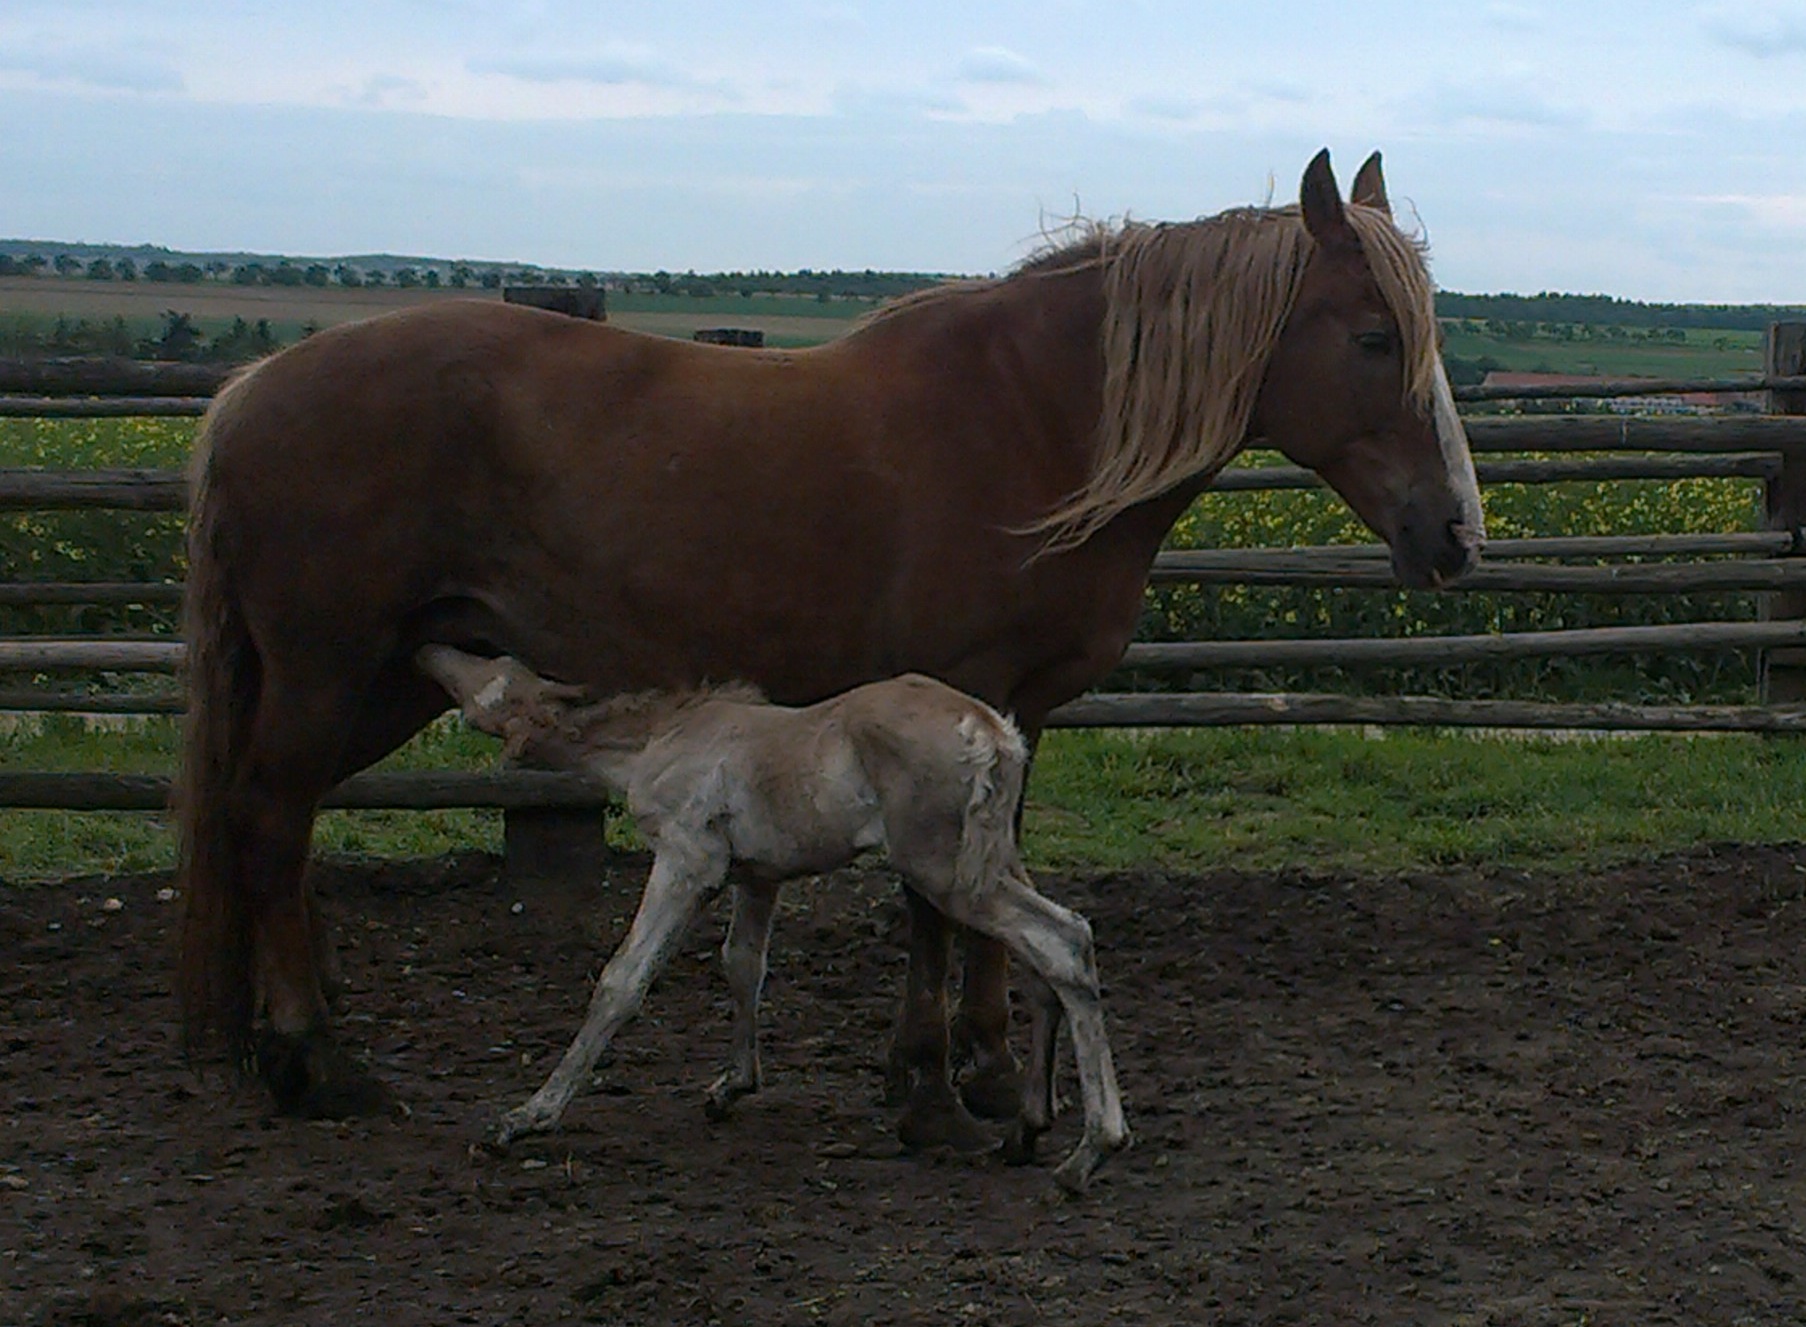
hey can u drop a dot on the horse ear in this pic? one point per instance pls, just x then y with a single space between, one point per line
1321 203
1370 186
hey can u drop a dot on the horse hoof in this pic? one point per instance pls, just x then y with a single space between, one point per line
993 1092
939 1120
311 1078
1018 1145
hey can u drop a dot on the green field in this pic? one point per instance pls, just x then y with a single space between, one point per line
1609 352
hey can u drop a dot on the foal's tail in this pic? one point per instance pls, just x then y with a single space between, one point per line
997 759
223 675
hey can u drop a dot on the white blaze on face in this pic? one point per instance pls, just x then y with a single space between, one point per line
1452 438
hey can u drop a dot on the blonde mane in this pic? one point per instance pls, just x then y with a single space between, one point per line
1193 311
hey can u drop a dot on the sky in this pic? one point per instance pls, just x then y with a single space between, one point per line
1653 150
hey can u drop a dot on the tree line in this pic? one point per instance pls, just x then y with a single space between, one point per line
1605 311
178 337
826 284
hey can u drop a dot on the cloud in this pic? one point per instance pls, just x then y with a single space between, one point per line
1514 18
388 90
1778 211
1179 110
1495 105
618 67
995 64
1769 35
103 68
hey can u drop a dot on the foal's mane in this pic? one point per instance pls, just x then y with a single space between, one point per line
1193 310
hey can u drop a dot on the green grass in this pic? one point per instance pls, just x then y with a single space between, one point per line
1186 801
1704 354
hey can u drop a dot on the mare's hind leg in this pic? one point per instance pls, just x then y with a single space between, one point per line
286 767
933 1115
684 874
304 742
743 956
397 705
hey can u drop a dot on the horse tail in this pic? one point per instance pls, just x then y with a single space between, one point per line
997 760
222 680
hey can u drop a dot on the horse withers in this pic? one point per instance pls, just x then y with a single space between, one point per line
718 777
971 484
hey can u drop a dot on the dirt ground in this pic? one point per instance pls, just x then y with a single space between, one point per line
1484 1099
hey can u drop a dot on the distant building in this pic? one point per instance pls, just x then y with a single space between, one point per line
1655 403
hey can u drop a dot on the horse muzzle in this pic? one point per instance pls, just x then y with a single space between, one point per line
1434 555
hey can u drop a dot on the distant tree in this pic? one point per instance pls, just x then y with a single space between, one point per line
249 274
317 274
376 277
127 269
68 266
189 274
461 275
158 270
406 277
431 278
100 270
181 339
492 279
285 274
348 276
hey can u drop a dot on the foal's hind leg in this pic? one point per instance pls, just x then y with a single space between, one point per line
684 875
1057 944
743 960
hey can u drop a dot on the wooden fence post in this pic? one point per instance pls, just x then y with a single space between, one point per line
554 845
1784 670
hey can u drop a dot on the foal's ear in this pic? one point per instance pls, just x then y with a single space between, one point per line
1370 186
1321 203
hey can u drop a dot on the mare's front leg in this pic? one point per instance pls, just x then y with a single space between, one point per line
1039 1102
685 872
933 1115
743 959
1057 944
992 1087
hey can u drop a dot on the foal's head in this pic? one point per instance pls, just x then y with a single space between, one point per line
1355 387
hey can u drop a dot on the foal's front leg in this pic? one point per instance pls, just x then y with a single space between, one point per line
743 959
685 872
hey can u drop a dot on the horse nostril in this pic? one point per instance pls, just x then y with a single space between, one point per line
1471 537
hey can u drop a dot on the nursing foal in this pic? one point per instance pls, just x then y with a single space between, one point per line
719 776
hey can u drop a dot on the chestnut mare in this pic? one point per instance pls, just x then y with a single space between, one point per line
972 484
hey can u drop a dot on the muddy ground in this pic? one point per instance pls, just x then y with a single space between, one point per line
1485 1099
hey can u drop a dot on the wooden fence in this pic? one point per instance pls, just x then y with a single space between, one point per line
1770 447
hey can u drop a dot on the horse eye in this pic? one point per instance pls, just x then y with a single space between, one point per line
1377 342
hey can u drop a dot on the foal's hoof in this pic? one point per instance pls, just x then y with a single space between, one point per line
937 1119
311 1078
993 1091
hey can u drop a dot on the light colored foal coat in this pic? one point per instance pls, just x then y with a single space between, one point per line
909 765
